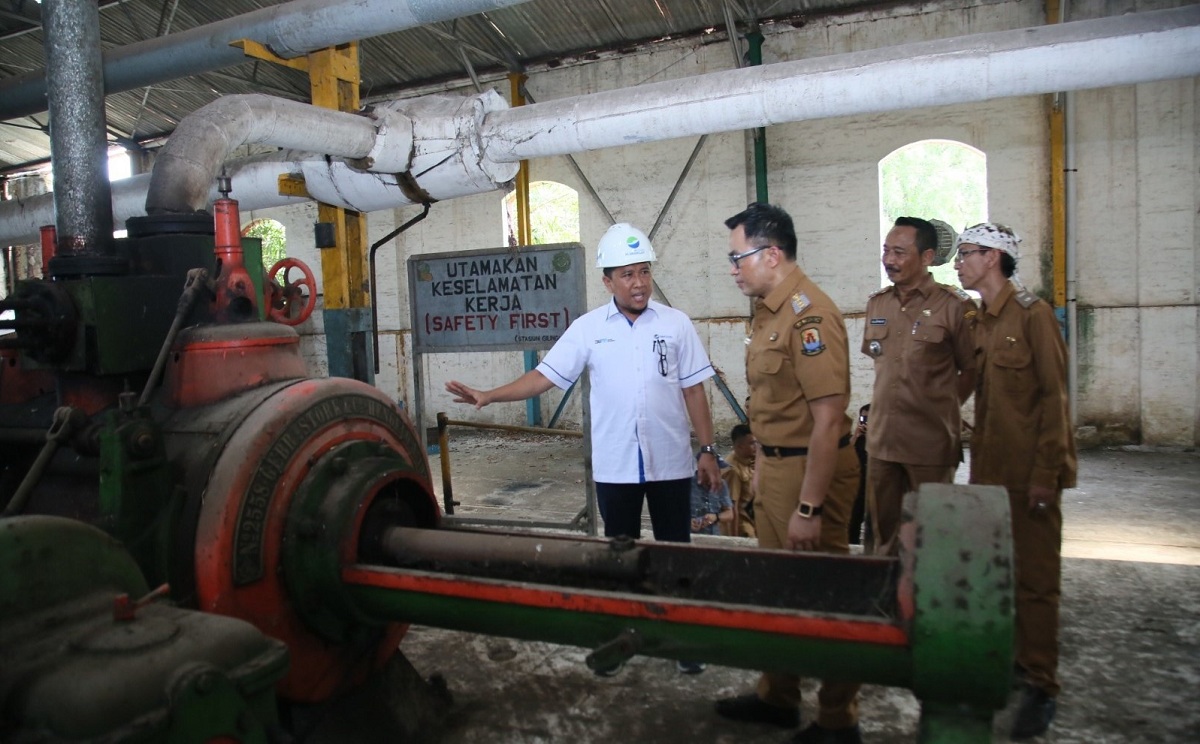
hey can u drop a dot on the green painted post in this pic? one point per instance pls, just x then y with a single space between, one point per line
755 40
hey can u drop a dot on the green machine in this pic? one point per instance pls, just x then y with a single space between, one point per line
89 657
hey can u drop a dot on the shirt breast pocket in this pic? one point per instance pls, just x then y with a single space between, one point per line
930 334
1014 370
874 338
765 372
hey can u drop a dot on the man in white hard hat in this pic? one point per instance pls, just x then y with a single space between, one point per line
646 366
1023 440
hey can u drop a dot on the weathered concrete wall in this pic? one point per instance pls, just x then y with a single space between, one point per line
1137 227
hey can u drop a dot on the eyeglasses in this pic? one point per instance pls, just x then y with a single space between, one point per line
660 348
962 255
735 257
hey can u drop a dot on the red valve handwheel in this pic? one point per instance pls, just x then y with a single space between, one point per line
283 298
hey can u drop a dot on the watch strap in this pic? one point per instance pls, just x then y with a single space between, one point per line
808 511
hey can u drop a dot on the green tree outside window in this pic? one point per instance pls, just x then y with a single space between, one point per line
933 179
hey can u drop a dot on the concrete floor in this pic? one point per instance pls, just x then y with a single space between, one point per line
1130 632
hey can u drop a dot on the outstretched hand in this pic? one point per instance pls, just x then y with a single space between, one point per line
464 394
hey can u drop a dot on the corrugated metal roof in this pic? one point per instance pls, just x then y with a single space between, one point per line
529 34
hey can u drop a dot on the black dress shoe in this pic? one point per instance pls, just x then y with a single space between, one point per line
1034 714
1018 676
751 708
817 734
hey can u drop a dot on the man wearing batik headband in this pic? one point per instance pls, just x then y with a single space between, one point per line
1023 440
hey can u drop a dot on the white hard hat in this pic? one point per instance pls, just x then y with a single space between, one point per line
623 244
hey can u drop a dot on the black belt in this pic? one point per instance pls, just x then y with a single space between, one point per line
770 451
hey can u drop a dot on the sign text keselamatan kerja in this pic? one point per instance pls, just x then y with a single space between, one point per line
495 299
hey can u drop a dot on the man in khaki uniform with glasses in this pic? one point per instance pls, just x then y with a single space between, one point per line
1023 440
798 367
919 333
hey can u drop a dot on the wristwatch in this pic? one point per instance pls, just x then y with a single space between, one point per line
808 511
710 449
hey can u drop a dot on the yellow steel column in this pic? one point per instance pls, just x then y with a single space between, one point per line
334 81
524 228
533 406
1058 188
334 76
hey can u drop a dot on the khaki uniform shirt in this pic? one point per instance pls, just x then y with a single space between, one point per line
919 347
739 476
1023 434
797 352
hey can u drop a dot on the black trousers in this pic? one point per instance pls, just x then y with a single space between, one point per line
670 505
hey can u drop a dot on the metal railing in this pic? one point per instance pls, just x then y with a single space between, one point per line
586 520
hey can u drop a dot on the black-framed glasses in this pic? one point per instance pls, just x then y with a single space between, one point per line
660 348
962 255
735 257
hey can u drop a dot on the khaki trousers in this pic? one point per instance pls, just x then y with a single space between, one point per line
779 480
1037 542
887 483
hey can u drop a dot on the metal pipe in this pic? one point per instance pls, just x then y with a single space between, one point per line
1072 259
255 183
514 429
372 288
189 162
77 138
481 553
289 30
516 80
1121 50
443 430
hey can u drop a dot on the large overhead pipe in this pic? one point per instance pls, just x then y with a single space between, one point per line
465 151
435 137
289 30
81 190
184 172
1122 50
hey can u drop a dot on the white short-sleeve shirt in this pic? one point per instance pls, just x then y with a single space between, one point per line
640 427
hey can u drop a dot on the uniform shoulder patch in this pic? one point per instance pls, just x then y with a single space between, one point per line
800 303
881 291
811 319
956 291
810 338
1025 297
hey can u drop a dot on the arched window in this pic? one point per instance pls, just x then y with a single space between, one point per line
553 214
273 237
933 179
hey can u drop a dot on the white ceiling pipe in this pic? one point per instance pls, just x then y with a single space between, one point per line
192 158
1130 49
1121 50
289 30
442 155
254 185
435 140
